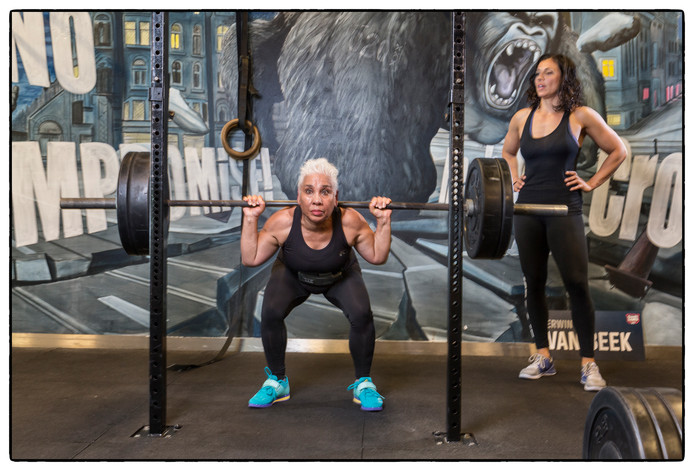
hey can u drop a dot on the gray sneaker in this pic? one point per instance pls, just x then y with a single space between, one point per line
591 378
539 366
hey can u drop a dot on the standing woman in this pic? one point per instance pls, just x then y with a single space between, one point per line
549 135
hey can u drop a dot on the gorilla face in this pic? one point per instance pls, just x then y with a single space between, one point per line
511 44
509 67
366 90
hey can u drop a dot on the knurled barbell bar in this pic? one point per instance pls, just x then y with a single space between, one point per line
488 207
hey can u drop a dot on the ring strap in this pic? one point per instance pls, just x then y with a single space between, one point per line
273 384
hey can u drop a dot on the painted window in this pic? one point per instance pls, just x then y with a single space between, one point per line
221 31
608 68
176 73
176 31
197 40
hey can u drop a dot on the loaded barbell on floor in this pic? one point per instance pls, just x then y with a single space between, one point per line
488 206
634 424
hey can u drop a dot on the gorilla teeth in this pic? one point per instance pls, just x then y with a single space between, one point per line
515 58
526 45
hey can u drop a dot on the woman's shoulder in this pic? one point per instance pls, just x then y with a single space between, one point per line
523 112
521 116
351 217
587 118
280 219
585 113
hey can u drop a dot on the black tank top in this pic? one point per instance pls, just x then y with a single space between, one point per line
546 161
332 258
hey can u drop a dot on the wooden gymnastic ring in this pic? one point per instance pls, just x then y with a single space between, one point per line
246 154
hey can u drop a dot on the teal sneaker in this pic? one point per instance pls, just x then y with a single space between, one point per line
366 395
273 390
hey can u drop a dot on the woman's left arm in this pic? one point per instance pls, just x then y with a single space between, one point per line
607 140
373 246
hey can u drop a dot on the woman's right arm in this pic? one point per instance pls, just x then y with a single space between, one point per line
258 246
511 146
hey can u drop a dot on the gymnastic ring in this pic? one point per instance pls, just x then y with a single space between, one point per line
246 154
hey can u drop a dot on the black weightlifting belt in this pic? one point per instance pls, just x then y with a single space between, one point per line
319 279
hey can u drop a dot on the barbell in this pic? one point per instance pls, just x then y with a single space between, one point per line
488 206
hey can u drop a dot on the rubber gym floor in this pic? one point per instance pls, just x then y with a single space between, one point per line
89 404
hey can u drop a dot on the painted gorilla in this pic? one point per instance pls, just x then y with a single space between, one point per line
365 90
369 90
503 48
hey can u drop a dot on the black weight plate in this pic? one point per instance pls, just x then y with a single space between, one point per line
132 203
627 423
506 217
473 220
488 221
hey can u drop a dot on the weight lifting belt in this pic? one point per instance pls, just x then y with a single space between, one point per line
319 279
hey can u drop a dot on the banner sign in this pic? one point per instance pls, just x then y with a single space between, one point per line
618 335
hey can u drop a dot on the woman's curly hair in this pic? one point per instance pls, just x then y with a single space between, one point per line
570 89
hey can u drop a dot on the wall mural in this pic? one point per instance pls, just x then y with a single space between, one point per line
367 90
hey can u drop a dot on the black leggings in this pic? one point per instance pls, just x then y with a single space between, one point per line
284 292
536 236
